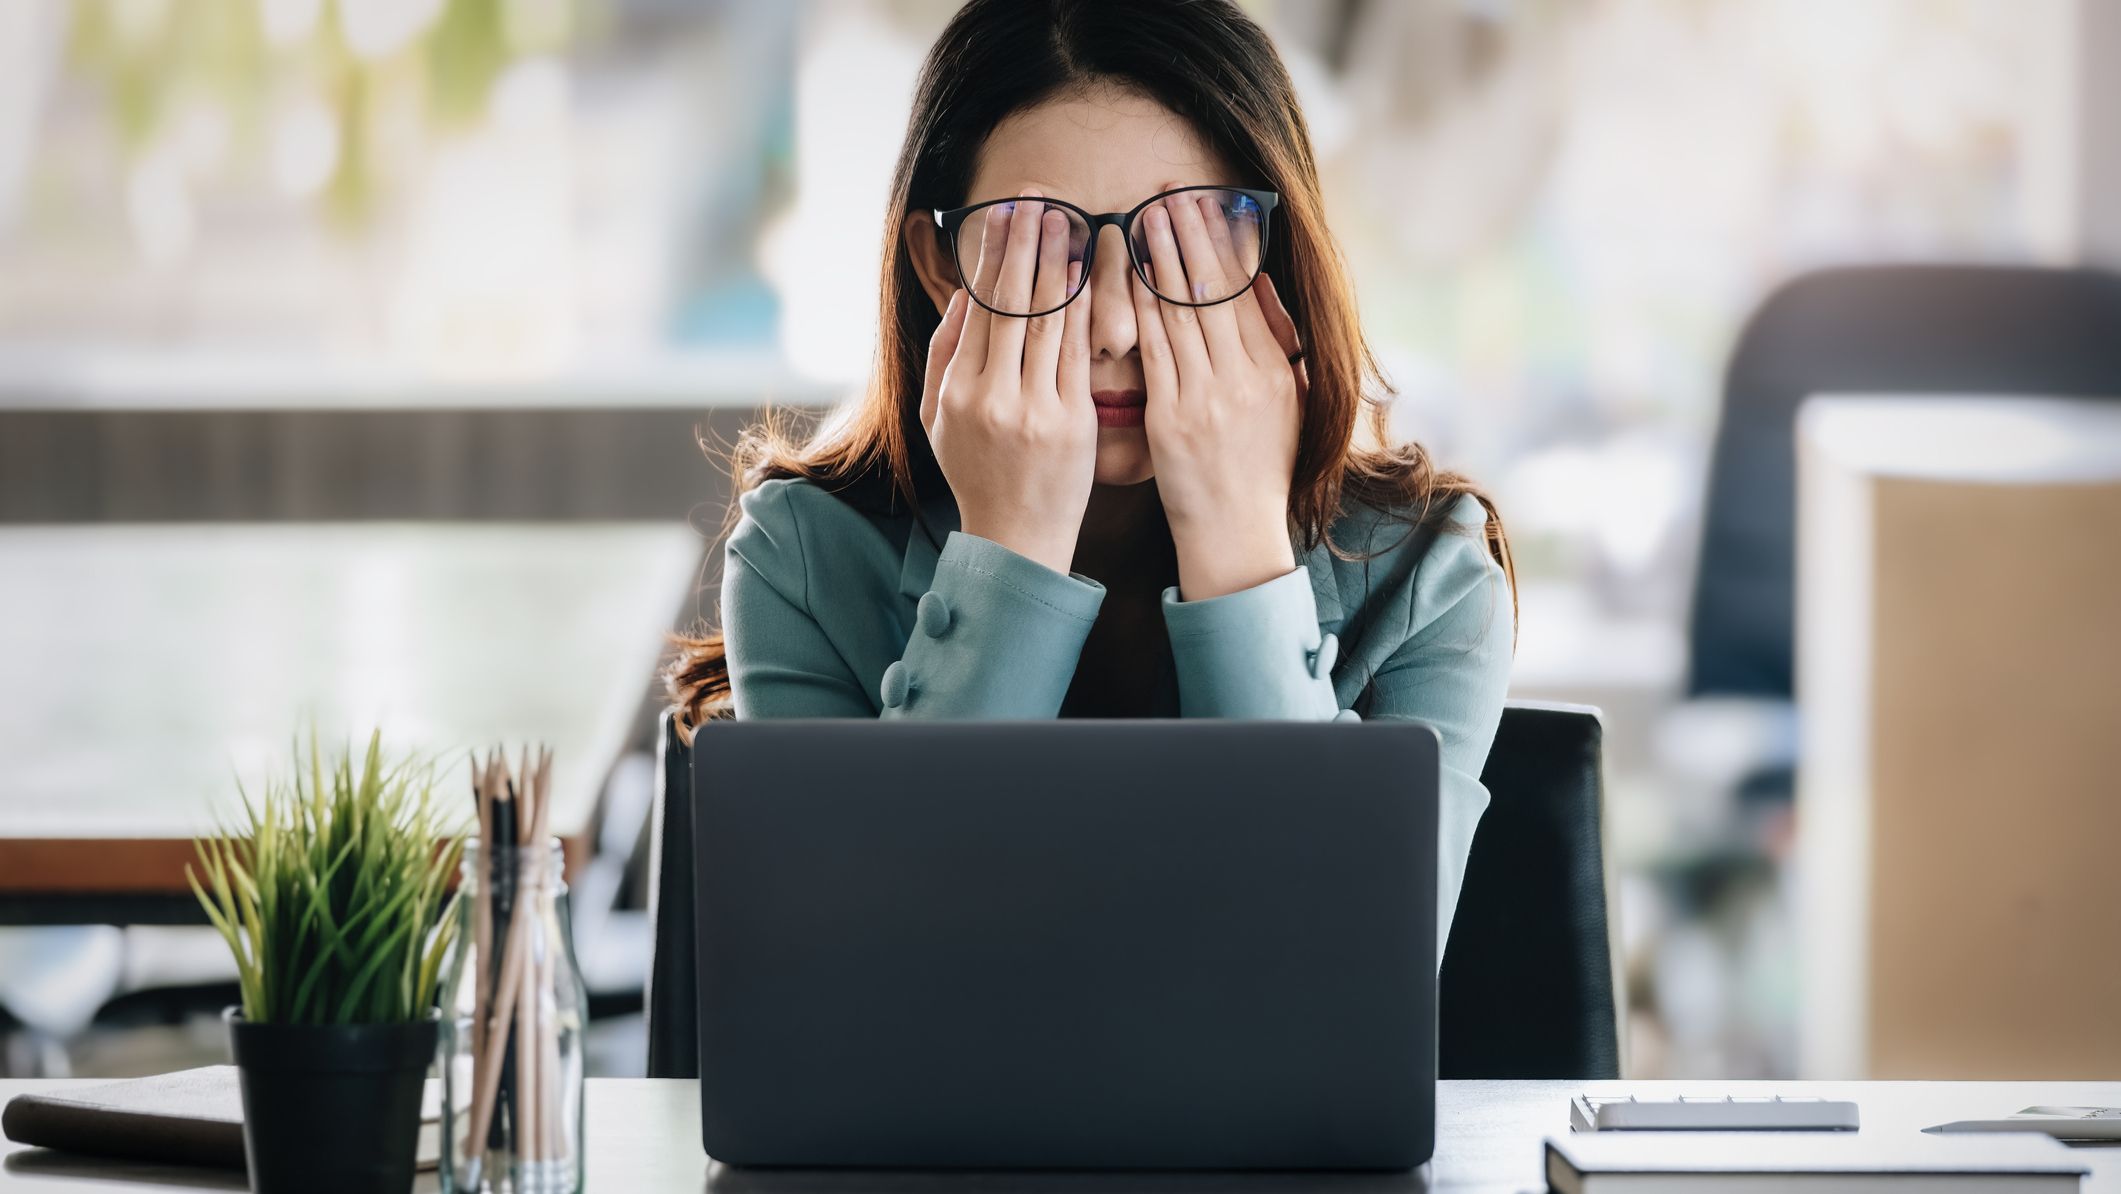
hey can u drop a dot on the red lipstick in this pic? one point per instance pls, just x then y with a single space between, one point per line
1119 408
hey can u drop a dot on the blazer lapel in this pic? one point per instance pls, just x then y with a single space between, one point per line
1325 586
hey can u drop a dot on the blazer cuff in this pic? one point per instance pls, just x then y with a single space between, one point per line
997 635
1254 653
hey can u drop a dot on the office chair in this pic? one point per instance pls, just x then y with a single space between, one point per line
1528 988
1876 329
1527 985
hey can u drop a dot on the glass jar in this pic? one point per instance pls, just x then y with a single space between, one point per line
513 1014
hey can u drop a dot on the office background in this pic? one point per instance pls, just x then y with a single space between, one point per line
307 260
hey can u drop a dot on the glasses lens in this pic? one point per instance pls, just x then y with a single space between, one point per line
1213 251
1057 236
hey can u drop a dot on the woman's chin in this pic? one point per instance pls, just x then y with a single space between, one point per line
1123 456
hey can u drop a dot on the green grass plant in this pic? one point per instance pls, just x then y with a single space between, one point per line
333 891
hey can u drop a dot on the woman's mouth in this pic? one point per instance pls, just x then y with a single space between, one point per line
1119 408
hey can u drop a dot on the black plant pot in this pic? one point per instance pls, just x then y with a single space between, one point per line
331 1109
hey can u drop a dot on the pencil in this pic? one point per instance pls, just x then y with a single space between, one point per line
519 1104
489 1044
527 1053
482 921
495 1040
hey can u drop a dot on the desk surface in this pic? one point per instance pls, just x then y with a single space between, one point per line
644 1138
147 665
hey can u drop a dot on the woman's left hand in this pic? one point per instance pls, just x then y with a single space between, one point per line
1225 390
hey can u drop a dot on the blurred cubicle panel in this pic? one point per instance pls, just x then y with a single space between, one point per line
1959 672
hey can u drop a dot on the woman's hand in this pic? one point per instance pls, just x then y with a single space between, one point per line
1224 404
1006 401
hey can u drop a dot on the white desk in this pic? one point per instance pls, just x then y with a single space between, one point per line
644 1139
147 665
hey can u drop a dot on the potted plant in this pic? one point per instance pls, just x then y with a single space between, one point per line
333 894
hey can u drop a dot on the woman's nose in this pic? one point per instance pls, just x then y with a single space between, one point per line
1112 299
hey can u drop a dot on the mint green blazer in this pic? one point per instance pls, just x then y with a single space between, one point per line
833 611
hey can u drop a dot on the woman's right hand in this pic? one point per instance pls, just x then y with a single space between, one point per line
1006 401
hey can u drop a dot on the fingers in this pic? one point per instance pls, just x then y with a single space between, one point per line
1181 324
1159 364
1042 338
1279 321
1241 258
1283 327
1073 378
1208 274
942 346
1248 237
1005 335
994 232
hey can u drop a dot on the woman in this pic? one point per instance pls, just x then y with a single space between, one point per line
1109 465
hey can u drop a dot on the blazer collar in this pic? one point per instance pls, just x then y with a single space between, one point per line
937 517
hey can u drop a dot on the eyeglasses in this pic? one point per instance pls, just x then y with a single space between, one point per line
1215 270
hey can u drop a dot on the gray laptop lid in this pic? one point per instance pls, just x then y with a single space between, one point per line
1109 944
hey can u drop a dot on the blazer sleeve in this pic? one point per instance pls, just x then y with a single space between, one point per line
996 636
1258 653
1253 653
1453 674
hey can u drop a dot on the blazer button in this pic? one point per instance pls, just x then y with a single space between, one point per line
898 685
1323 658
1347 715
932 615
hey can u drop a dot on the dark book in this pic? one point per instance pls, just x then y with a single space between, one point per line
191 1117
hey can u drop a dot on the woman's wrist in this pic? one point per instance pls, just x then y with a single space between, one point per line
1052 550
1212 563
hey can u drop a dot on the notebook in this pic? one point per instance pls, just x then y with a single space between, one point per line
191 1117
1785 1163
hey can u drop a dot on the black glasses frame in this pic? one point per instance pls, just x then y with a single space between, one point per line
948 222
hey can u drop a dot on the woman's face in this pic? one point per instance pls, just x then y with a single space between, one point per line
1105 150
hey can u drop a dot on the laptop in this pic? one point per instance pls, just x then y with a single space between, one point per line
1156 944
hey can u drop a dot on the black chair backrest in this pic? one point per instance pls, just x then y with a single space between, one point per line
672 998
1527 988
1527 983
1882 329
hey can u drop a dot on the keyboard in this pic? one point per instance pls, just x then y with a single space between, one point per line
1726 1113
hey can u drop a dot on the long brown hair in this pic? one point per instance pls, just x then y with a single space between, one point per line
1205 61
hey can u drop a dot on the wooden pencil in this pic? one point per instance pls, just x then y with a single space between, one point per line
513 1041
482 928
496 1040
489 1045
527 1054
